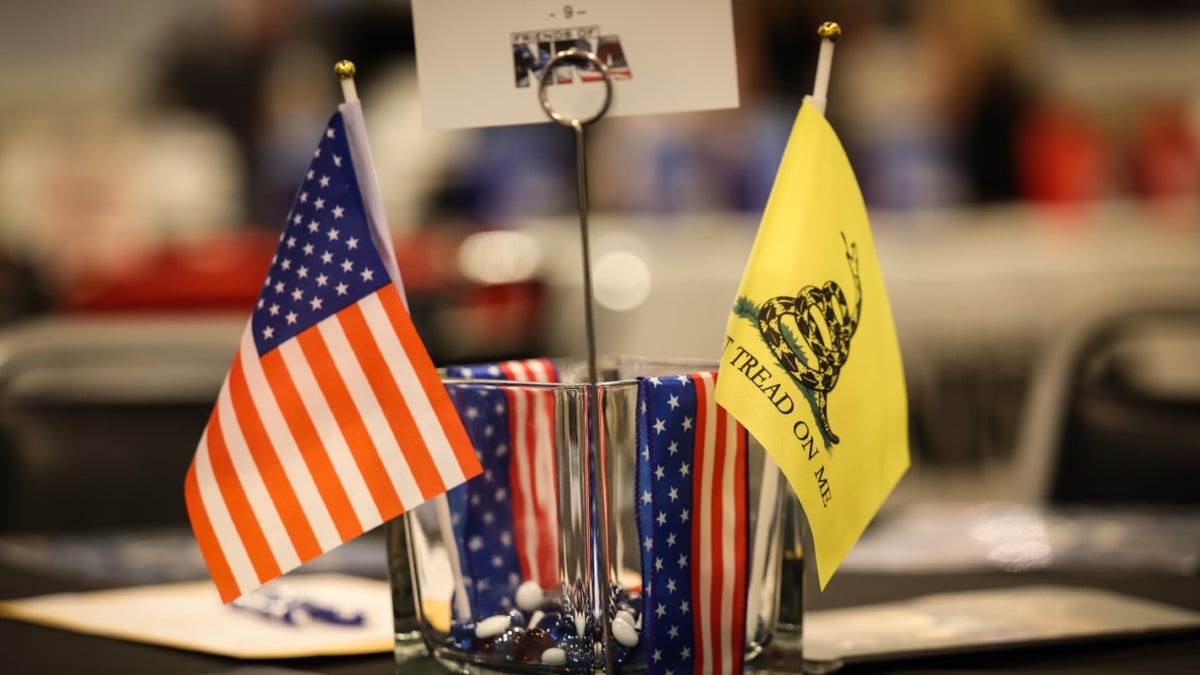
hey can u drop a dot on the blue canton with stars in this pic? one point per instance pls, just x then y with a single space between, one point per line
326 259
664 514
481 508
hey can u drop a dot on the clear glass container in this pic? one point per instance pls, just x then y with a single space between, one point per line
475 599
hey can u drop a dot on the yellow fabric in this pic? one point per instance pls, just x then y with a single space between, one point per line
809 356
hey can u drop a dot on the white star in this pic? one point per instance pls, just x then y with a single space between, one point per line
341 289
309 175
352 243
497 561
296 219
347 265
313 226
687 423
329 132
683 379
274 310
475 543
324 181
308 249
337 211
655 381
260 304
683 606
316 303
646 497
291 318
673 493
337 160
673 447
662 518
674 632
670 585
647 543
322 279
683 469
367 275
268 333
291 242
673 401
686 652
333 234
657 564
303 196
297 294
319 203
317 152
683 517
682 560
279 287
670 540
302 272
326 257
659 472
659 426
286 264
657 655
661 610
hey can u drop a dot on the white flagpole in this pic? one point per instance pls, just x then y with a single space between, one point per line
345 71
759 591
829 33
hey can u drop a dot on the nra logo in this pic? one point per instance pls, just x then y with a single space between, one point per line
533 49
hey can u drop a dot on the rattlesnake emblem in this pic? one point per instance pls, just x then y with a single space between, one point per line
825 322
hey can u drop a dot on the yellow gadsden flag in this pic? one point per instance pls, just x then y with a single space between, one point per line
811 365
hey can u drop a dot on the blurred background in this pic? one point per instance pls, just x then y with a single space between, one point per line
1032 170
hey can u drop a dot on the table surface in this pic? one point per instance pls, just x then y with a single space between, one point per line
33 649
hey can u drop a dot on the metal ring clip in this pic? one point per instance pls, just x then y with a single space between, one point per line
581 56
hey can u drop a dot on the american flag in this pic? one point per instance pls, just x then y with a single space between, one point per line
332 418
692 518
506 521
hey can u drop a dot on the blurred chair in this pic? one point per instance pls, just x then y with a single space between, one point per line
99 417
1113 414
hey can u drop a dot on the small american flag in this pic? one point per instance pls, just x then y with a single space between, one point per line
507 520
692 519
332 418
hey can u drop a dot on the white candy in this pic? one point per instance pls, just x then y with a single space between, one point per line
492 626
529 596
626 616
624 632
580 624
554 656
536 619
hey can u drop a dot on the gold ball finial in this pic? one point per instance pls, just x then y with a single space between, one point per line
344 69
829 31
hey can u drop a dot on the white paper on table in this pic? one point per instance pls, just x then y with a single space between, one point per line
473 58
190 616
973 620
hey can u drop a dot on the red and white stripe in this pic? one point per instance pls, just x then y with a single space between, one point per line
718 535
534 481
325 437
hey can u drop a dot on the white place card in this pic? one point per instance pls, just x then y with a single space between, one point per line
479 61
